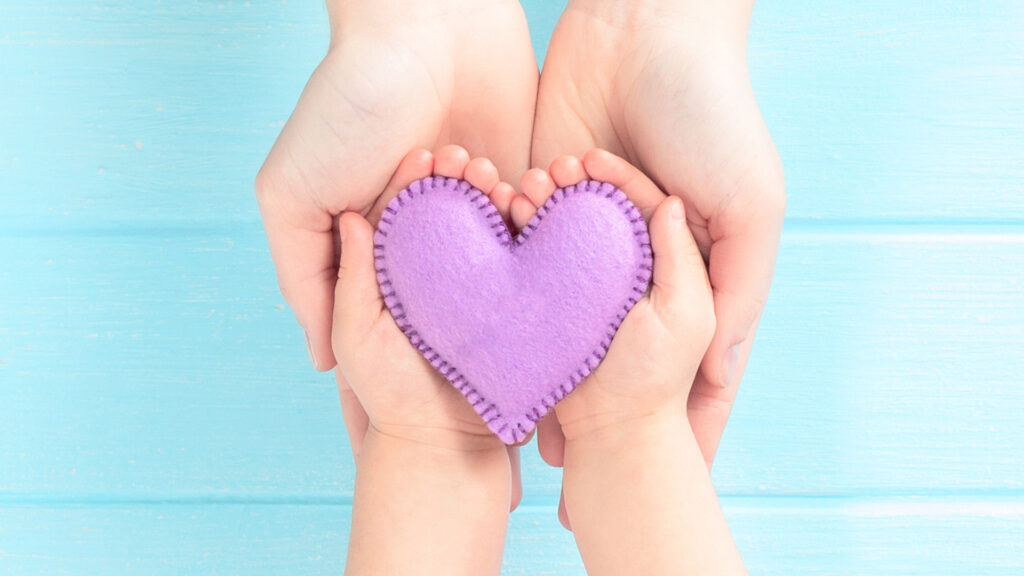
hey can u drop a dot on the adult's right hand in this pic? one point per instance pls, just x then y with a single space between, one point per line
399 75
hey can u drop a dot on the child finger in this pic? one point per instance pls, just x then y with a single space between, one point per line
357 300
680 279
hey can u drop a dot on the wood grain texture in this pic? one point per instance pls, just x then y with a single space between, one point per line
157 411
895 111
122 113
143 364
788 539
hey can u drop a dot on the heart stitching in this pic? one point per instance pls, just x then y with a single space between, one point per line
509 427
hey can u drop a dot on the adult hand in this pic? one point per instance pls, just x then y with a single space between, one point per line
398 75
665 85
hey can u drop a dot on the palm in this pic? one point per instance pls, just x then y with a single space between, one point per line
418 84
382 90
406 396
640 347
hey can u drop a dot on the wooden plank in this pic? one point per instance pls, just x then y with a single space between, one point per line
895 111
144 365
131 112
775 536
888 360
136 112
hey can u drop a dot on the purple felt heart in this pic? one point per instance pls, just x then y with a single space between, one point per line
515 324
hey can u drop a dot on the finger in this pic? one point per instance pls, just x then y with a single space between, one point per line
516 492
604 166
416 164
481 173
301 244
551 440
563 514
521 211
501 196
537 185
740 266
566 171
356 420
681 293
451 161
708 409
357 299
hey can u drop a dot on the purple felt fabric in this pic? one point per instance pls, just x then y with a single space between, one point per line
513 323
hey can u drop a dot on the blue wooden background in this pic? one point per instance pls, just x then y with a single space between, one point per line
158 414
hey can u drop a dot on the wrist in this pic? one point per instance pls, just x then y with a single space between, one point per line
422 509
348 15
641 501
713 20
483 471
610 432
584 416
439 442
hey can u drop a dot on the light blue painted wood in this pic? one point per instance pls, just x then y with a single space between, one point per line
887 361
121 113
157 414
935 538
895 111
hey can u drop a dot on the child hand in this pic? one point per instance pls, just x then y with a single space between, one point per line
654 356
399 393
657 350
433 484
635 483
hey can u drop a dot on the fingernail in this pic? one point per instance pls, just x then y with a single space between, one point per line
732 358
309 349
677 210
341 231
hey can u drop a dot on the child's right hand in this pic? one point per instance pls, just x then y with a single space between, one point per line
657 350
635 484
402 394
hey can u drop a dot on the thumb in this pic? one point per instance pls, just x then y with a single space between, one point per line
357 300
302 247
740 266
681 294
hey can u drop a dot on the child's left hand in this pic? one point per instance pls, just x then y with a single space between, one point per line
401 393
433 484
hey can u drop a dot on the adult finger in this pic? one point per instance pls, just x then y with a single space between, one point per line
356 420
744 241
563 514
551 440
302 246
515 468
708 409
